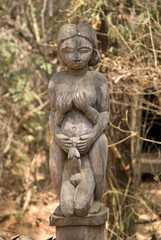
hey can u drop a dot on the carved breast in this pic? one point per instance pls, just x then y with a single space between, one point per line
75 123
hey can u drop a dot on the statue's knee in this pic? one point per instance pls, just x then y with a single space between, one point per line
68 211
81 212
68 214
81 207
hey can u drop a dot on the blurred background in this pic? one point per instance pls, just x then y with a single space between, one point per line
129 33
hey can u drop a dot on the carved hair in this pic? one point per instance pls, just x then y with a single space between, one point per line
83 30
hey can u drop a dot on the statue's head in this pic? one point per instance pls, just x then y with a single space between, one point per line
78 42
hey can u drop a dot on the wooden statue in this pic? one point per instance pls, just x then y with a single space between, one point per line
79 101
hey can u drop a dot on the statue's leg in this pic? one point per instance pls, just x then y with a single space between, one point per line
67 192
98 159
84 191
67 198
56 166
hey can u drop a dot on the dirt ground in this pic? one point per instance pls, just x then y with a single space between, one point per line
26 212
148 209
34 222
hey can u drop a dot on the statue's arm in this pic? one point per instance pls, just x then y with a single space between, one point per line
102 111
54 128
92 114
99 115
81 102
102 105
54 119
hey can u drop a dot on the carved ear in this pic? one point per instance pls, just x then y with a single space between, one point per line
95 58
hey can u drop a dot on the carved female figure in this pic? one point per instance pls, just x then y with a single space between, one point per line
79 103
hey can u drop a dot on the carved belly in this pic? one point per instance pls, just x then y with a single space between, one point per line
75 124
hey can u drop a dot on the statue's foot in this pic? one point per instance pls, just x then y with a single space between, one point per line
95 208
58 211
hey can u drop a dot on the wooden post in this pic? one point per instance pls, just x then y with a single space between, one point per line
91 227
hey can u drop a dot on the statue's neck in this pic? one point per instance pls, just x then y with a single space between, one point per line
77 72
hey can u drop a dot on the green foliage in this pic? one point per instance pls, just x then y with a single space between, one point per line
20 155
47 67
17 114
112 34
28 138
125 23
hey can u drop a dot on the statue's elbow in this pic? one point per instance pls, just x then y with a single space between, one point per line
105 118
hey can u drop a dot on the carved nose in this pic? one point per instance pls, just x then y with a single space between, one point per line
76 57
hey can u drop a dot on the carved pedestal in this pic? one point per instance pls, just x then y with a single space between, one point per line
91 227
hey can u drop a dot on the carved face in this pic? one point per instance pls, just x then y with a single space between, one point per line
76 52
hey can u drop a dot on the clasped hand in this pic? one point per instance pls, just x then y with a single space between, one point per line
64 142
83 144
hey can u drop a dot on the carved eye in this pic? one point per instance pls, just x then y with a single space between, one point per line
84 50
67 50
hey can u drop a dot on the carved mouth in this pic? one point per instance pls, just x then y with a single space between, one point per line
77 64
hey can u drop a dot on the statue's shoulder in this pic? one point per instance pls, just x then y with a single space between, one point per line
99 77
56 76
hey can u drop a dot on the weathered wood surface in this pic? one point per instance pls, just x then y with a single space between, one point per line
90 220
91 227
79 101
81 233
